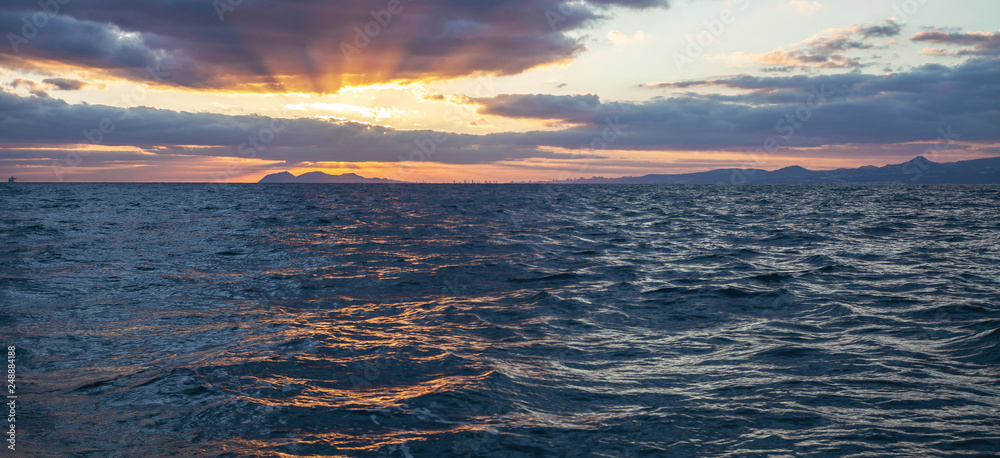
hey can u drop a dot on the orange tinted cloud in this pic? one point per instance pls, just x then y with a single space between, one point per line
303 46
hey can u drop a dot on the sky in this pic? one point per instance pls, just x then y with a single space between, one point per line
505 90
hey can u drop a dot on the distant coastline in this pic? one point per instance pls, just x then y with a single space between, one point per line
919 170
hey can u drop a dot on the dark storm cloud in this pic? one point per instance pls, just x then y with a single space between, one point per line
309 45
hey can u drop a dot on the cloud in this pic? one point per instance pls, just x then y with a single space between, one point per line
33 87
66 84
853 108
976 43
40 89
781 59
826 111
804 7
567 108
888 28
828 51
35 121
376 113
308 45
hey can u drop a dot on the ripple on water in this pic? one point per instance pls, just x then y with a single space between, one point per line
503 320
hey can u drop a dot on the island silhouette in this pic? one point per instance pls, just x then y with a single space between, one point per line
321 178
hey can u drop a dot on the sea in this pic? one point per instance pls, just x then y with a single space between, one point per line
501 320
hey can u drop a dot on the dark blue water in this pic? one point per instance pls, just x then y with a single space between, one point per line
384 320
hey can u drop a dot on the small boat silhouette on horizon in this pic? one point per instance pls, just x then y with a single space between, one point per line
11 179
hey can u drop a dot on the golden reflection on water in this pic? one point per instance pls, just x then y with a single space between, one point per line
370 397
360 353
361 359
355 441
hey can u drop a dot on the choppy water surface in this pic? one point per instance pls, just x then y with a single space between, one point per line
383 320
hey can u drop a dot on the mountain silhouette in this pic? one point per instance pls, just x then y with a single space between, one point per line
320 177
918 170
